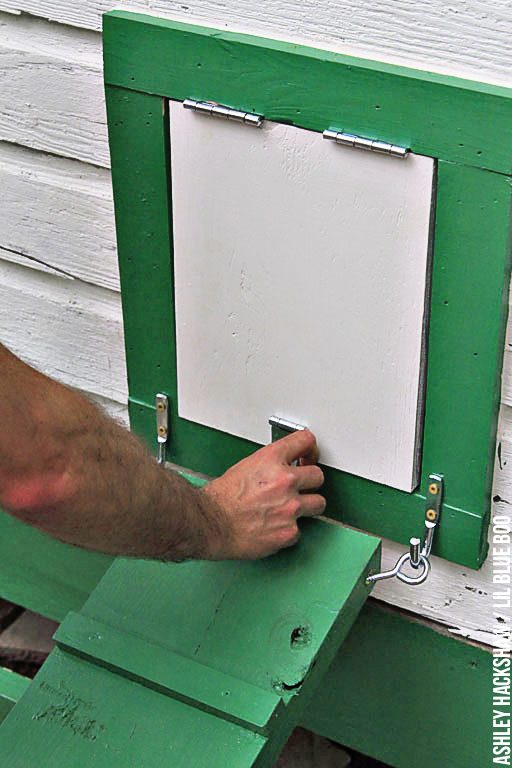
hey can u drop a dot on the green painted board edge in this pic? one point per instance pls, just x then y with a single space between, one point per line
471 269
45 575
12 688
407 695
445 117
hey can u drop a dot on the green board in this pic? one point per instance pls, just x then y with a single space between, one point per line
150 60
43 574
197 664
407 695
12 687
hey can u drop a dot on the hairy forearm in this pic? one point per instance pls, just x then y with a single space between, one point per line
89 482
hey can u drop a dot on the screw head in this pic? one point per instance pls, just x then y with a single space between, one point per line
431 515
160 406
162 431
433 488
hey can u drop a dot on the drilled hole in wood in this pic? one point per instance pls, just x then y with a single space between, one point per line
300 636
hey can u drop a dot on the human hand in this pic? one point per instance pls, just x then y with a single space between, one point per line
262 496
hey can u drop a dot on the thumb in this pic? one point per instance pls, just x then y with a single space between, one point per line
298 445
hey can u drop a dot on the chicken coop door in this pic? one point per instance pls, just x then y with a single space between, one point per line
301 279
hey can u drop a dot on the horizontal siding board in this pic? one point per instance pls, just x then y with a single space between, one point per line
473 40
68 330
51 93
57 216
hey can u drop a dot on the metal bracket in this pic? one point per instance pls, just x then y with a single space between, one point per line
419 554
279 425
358 142
211 109
162 426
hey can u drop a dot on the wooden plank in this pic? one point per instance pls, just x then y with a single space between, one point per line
320 90
169 673
457 688
471 41
12 688
146 142
385 656
51 90
57 215
275 624
43 574
71 332
338 247
271 598
460 432
80 714
84 15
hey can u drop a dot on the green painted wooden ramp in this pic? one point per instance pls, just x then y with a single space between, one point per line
194 664
12 687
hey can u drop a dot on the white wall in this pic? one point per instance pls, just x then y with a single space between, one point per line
59 294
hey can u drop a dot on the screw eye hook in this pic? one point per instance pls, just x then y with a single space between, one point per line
419 553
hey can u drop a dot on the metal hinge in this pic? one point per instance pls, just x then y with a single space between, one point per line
162 426
419 552
357 142
211 109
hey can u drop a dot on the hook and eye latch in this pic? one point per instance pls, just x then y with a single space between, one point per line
418 557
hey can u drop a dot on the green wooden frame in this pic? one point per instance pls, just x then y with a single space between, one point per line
464 125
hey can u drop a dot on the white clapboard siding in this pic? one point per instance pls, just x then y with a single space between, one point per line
506 387
472 39
68 329
506 392
116 411
51 89
57 215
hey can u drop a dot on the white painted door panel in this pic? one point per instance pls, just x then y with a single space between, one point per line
300 273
